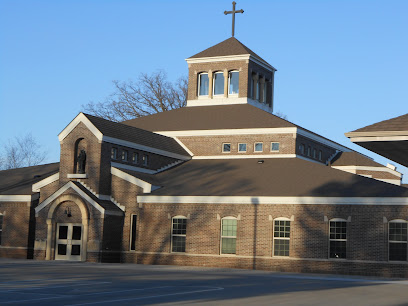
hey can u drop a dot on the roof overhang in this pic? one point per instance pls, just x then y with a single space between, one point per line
390 144
227 58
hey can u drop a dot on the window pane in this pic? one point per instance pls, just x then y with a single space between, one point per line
281 247
242 147
275 146
228 245
218 83
398 251
259 147
180 226
226 147
76 232
179 244
229 227
234 81
282 228
398 231
338 230
63 232
203 86
62 249
135 158
76 249
337 249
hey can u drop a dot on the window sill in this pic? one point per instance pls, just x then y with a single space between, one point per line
77 176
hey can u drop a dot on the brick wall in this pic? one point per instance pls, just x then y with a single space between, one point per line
212 145
16 237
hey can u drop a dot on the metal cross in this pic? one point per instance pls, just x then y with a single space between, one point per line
233 15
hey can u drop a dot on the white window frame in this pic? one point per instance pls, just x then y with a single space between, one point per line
199 84
114 153
145 159
242 143
272 145
223 85
226 143
131 233
229 84
255 147
125 155
230 237
135 157
178 235
337 220
280 238
389 241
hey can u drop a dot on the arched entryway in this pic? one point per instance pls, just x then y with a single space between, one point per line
67 229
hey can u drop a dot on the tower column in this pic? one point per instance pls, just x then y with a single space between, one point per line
225 83
210 84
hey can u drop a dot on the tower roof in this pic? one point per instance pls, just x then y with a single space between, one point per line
228 47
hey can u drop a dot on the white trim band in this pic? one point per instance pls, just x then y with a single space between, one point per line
255 200
18 198
48 180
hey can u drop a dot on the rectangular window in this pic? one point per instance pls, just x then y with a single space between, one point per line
281 238
135 157
242 147
320 155
274 146
226 147
1 226
125 155
264 92
228 236
218 83
133 227
309 151
338 239
178 235
258 147
233 82
145 160
114 153
397 238
302 149
314 153
257 90
203 83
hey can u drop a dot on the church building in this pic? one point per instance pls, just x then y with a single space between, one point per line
221 182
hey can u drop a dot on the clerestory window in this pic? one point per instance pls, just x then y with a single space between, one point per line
203 84
233 83
218 83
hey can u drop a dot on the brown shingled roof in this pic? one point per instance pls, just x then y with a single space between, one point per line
230 46
353 159
136 135
239 116
19 181
395 124
273 177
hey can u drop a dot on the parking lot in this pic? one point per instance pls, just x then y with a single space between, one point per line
27 282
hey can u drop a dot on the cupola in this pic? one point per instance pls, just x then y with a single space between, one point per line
230 73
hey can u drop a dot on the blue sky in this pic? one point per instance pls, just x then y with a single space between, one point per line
341 64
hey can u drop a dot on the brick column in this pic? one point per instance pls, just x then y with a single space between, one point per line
210 84
225 83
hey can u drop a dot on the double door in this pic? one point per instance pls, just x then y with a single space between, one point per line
68 241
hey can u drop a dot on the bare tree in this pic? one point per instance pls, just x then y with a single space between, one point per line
150 94
22 152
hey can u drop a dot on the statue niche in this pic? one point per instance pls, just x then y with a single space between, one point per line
81 162
80 156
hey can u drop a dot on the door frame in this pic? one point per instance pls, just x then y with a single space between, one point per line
68 242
